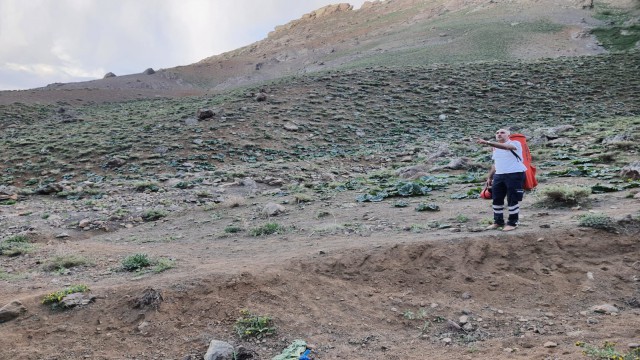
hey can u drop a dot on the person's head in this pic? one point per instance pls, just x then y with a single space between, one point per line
502 135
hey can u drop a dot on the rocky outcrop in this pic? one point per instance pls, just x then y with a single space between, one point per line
631 171
320 13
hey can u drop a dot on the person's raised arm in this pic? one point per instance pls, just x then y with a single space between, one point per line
498 145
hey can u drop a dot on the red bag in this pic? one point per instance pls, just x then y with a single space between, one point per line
530 181
486 193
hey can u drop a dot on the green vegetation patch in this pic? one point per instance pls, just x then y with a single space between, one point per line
15 245
564 195
136 262
618 38
250 325
267 229
598 221
607 351
65 262
55 298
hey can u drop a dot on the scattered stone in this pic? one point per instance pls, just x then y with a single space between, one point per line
115 162
605 309
550 344
466 296
261 97
51 188
77 299
273 209
203 114
219 350
447 341
150 298
143 326
62 235
453 325
633 345
11 311
463 319
508 350
290 127
242 353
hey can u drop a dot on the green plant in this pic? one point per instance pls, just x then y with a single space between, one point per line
607 351
267 229
142 186
250 325
462 218
232 229
55 297
419 315
400 204
17 239
11 276
64 262
163 264
152 215
564 195
136 262
597 221
15 245
427 207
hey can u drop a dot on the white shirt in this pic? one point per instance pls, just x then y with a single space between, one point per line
506 162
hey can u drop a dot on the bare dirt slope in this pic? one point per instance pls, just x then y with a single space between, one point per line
380 289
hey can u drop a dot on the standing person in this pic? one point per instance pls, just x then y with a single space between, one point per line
505 178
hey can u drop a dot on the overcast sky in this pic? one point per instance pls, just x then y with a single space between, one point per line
47 41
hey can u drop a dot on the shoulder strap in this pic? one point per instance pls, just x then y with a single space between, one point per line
516 155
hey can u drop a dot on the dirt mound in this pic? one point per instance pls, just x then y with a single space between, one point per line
396 301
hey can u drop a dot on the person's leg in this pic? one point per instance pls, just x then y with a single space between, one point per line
498 192
515 193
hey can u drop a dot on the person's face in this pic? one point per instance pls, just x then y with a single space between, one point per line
502 135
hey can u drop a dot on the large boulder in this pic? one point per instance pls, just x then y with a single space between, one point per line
631 171
11 311
109 75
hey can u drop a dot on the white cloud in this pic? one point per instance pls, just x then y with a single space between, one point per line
45 41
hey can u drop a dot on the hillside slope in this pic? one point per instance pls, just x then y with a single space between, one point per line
388 33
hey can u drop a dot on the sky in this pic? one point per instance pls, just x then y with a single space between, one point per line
48 41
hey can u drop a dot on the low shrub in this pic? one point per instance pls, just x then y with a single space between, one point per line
564 195
136 262
142 186
15 245
163 264
153 215
427 207
233 229
65 262
250 325
267 229
597 221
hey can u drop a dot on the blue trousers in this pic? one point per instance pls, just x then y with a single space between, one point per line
509 185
